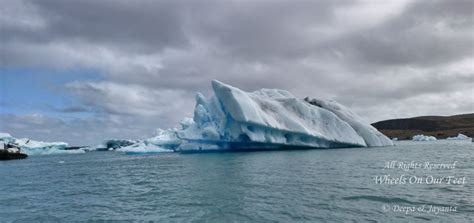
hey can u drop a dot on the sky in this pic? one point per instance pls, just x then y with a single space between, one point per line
85 71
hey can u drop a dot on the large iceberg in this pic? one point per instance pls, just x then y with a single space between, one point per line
32 147
272 119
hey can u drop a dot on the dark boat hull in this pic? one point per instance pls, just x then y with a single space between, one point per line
5 155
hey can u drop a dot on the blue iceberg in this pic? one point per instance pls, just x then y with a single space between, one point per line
32 147
272 119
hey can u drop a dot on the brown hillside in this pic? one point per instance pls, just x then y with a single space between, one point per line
438 126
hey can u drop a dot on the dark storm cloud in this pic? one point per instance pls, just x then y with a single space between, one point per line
154 55
265 30
146 27
247 30
423 35
414 85
252 31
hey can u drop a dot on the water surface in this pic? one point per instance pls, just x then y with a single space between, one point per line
283 186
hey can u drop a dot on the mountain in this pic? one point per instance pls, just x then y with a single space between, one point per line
439 126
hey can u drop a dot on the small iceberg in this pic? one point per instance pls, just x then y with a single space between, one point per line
422 137
459 137
32 147
142 148
118 143
110 145
164 141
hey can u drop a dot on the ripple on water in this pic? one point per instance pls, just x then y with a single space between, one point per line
382 199
284 186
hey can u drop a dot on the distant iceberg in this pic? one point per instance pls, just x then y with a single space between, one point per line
164 141
423 138
32 147
272 119
118 143
459 137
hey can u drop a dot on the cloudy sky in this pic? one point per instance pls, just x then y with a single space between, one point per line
82 71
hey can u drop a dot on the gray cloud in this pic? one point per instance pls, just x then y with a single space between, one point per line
146 27
134 100
423 35
383 59
262 31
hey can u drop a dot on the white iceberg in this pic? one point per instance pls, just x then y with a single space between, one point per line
32 147
273 119
459 137
164 141
5 135
422 137
142 148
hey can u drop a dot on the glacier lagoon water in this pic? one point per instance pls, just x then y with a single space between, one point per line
333 185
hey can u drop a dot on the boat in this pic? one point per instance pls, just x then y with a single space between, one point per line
11 152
